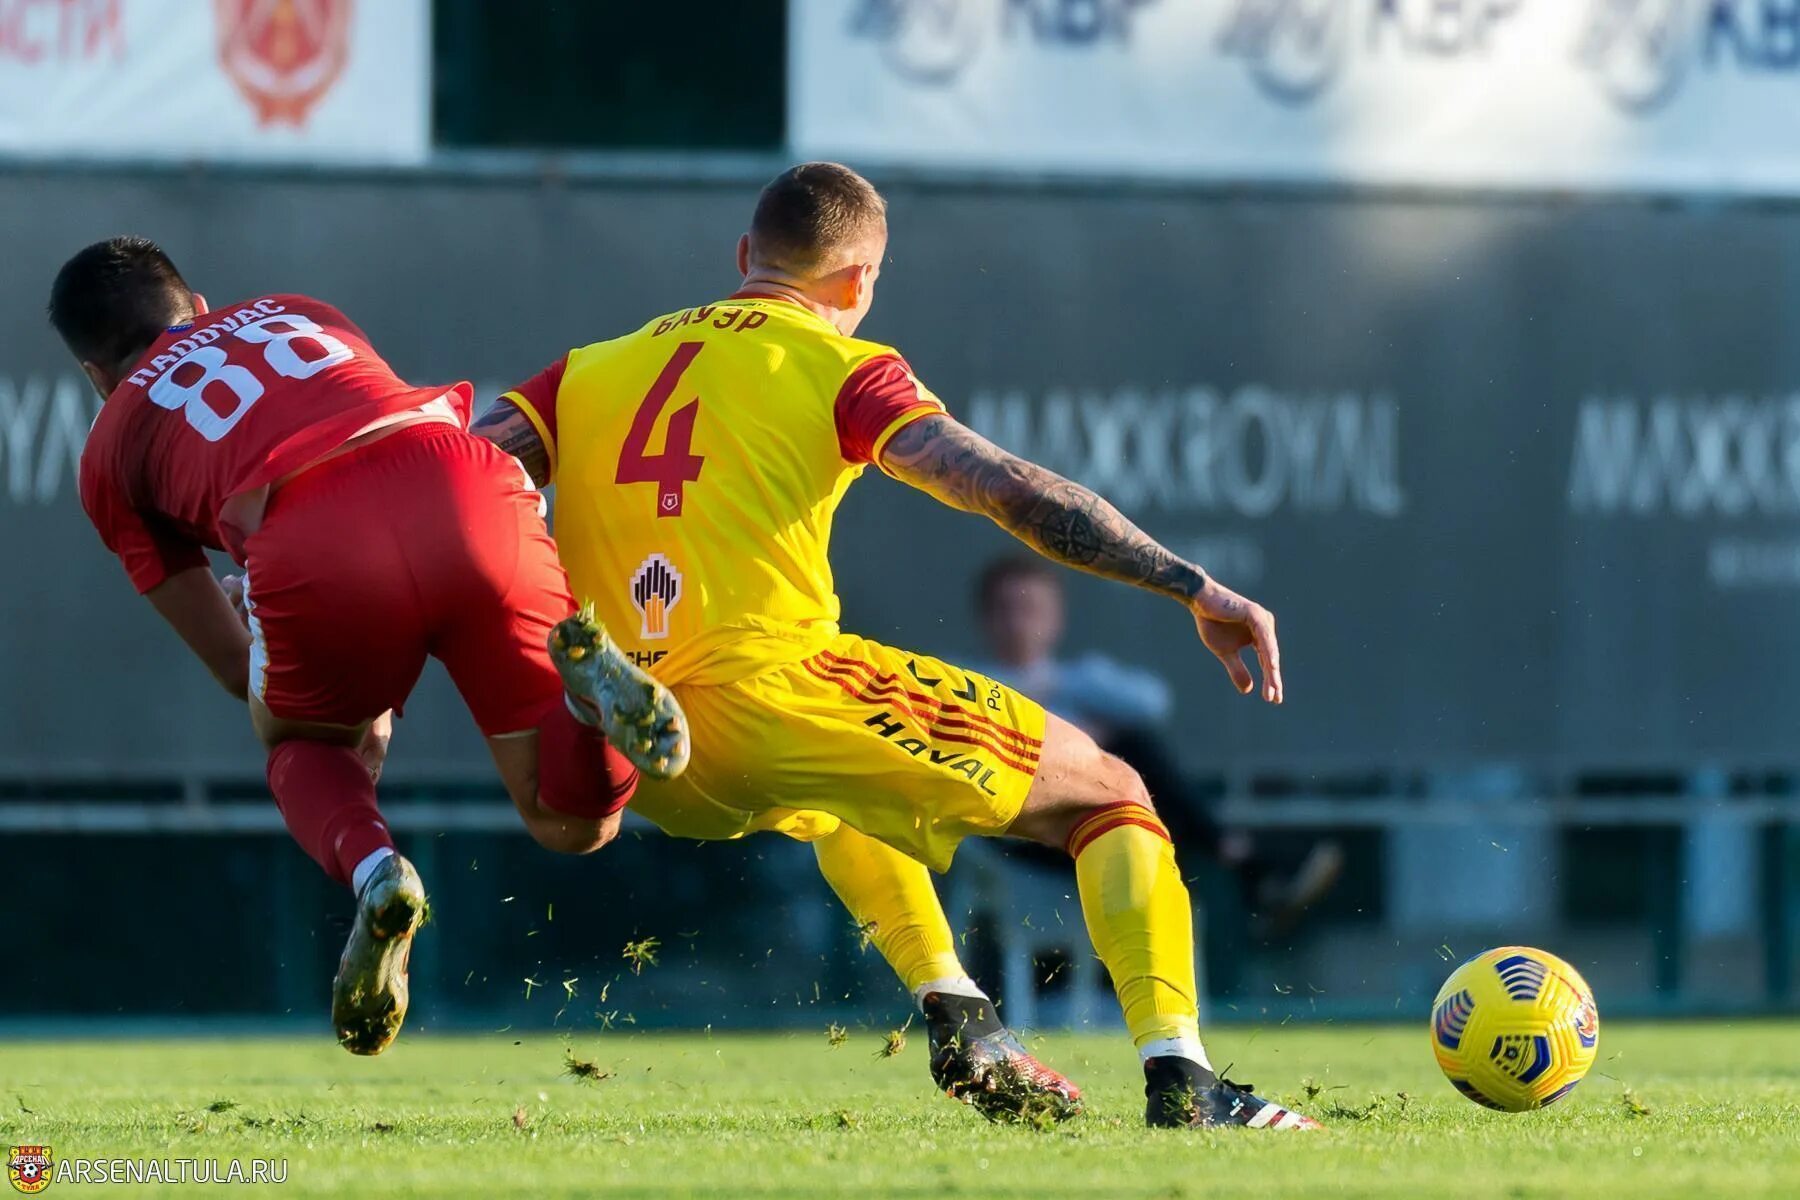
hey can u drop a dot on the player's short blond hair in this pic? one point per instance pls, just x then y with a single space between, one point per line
810 214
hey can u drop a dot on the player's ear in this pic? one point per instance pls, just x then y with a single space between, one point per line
864 281
842 289
744 255
102 380
200 304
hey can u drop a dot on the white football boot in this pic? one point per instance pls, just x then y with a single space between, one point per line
638 715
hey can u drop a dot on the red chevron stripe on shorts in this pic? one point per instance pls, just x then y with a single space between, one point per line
943 726
882 684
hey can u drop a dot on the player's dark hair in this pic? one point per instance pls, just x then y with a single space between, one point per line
114 298
1003 571
809 212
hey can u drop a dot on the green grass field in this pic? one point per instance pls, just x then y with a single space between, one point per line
1711 1110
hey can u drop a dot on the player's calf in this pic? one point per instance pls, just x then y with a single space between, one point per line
639 716
370 995
567 781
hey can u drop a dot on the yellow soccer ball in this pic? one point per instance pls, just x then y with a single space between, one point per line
1515 1028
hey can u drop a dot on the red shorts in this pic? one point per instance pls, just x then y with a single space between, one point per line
429 541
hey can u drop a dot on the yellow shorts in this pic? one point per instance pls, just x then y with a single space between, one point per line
908 749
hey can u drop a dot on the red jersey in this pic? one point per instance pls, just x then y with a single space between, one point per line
223 407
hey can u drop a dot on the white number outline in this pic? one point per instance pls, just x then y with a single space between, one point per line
217 368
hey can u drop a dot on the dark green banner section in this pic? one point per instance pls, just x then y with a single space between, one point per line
610 75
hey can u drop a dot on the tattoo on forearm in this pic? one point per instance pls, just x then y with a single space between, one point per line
1057 518
511 430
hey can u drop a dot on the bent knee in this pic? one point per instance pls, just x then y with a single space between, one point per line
1118 782
1123 801
1107 785
570 843
571 836
272 730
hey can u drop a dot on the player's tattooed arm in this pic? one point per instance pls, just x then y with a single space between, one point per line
1058 518
1070 524
511 430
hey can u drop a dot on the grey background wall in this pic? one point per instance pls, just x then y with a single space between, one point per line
1452 443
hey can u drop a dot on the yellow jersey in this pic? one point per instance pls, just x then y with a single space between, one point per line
698 462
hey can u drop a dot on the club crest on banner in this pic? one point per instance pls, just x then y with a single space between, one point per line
283 55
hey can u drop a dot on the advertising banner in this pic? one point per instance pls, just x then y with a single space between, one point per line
1587 94
216 80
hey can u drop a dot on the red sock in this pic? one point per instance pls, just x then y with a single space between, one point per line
579 773
328 800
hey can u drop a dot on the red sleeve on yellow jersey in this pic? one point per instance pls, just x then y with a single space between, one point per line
536 398
880 396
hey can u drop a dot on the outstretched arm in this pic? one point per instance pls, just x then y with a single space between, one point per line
1061 520
1068 523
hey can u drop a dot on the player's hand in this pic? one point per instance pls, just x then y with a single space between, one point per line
233 586
1229 625
374 746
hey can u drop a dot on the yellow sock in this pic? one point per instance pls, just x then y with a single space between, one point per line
892 897
1140 920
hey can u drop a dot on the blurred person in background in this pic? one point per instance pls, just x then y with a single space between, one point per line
1019 600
